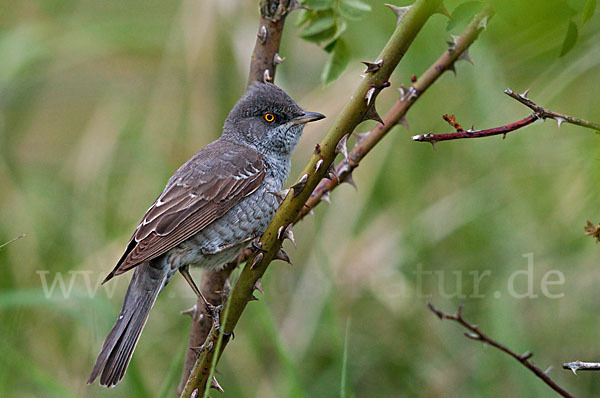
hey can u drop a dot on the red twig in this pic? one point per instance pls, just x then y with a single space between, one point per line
474 333
539 113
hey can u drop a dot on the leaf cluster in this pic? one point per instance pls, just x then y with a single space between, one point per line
324 24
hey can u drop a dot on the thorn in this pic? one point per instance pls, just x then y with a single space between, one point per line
299 186
399 11
526 355
342 146
369 96
403 92
253 298
453 69
508 91
452 44
267 76
215 384
280 195
257 259
331 172
524 95
318 165
277 59
295 5
360 136
559 120
547 371
403 122
483 23
412 93
258 286
433 144
282 255
195 393
465 56
326 197
574 371
444 11
372 114
372 67
349 180
504 136
286 233
191 311
262 34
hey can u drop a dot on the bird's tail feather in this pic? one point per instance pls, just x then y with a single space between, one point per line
146 283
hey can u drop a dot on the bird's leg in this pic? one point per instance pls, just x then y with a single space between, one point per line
213 311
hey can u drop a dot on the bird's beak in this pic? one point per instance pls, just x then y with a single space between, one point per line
307 117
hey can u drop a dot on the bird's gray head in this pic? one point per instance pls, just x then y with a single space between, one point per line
267 119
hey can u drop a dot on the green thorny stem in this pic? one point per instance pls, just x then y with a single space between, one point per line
458 49
360 107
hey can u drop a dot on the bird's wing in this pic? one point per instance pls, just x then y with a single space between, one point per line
202 190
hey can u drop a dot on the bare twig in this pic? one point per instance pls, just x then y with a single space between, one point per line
360 107
579 365
539 113
545 113
474 333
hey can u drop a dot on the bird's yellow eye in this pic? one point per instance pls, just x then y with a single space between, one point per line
269 117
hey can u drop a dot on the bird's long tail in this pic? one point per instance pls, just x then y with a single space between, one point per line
147 281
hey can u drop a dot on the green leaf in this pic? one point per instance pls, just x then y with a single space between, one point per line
319 30
340 27
588 10
337 62
353 9
463 13
303 17
570 39
317 5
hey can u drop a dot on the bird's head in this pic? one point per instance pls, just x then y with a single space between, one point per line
268 119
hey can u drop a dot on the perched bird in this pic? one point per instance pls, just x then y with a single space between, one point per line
211 209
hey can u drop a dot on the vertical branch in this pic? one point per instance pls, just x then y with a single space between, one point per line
263 63
265 57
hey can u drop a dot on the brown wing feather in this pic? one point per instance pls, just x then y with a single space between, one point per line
202 190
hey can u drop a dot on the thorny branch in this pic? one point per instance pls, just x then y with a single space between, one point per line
457 50
360 107
474 333
579 365
539 113
215 283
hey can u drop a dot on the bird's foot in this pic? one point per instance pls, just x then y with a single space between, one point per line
214 311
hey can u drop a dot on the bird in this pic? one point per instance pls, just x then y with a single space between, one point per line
212 208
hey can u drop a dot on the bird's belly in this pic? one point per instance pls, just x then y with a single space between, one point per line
222 240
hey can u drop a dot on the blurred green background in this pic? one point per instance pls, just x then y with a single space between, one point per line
100 101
